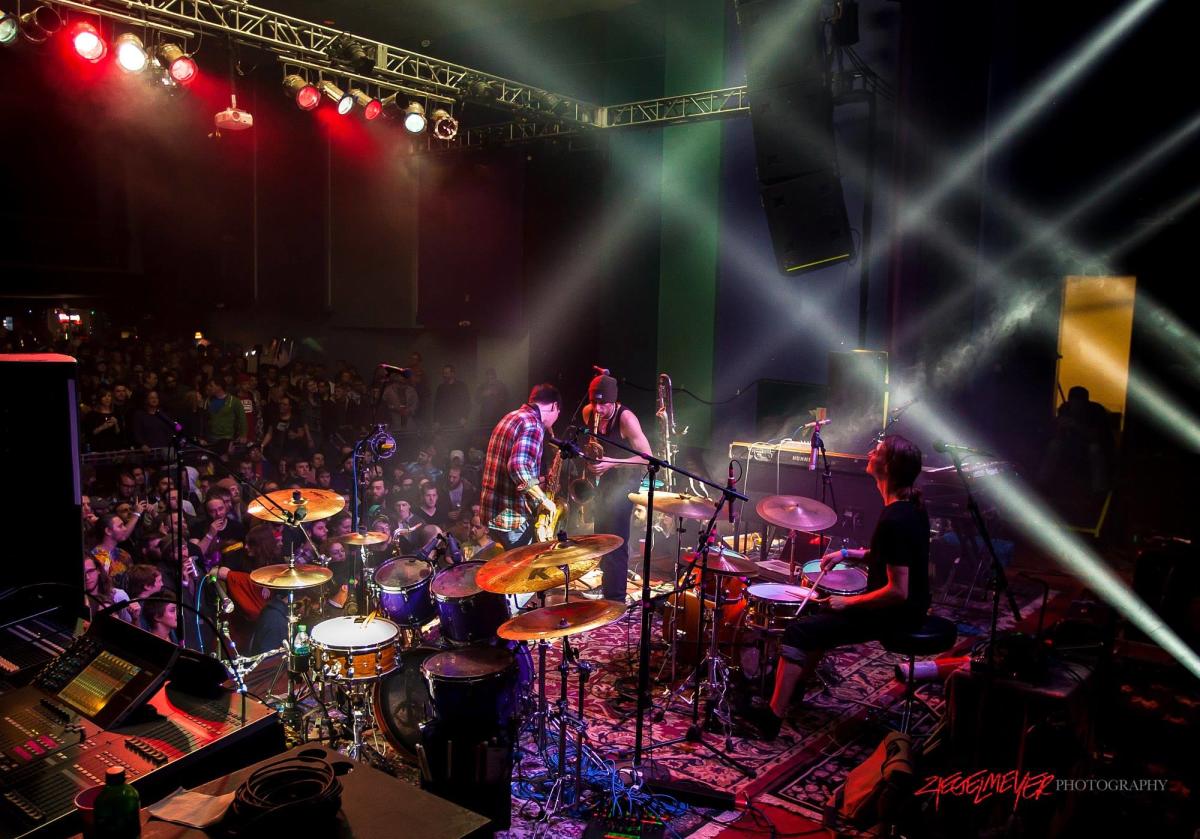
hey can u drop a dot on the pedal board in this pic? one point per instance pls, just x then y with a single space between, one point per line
625 827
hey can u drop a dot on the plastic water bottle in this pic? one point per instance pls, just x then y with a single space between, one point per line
117 807
300 642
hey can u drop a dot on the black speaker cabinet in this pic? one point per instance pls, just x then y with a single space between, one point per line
791 114
39 447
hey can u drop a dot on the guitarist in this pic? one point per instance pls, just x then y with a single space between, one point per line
512 493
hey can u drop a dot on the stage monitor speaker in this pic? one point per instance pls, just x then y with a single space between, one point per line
39 447
791 113
858 394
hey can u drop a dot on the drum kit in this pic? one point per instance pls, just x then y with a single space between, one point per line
430 697
750 611
440 698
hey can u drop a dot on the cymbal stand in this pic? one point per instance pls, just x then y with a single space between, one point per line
728 495
711 676
565 775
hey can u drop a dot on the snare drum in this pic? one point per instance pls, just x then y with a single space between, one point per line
354 649
467 613
475 687
772 606
403 585
843 579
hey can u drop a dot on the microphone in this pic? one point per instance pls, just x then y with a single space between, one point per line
453 548
944 447
601 371
406 372
301 510
568 448
730 483
426 552
224 603
815 424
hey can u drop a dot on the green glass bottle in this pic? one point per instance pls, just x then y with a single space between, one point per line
117 807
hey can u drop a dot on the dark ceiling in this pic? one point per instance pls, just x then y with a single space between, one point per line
417 24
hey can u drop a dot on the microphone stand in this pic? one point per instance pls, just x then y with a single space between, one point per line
728 495
999 578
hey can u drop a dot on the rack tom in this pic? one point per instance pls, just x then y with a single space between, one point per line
467 613
843 579
403 585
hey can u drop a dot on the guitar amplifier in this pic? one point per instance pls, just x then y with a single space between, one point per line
782 469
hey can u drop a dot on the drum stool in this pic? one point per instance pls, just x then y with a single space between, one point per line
935 635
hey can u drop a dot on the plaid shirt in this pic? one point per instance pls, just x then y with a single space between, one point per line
514 456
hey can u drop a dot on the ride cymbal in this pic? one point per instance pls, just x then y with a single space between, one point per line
562 619
287 577
795 512
281 505
559 552
518 575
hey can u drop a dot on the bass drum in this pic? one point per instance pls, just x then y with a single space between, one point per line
402 702
682 619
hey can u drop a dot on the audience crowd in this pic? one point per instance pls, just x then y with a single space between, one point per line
257 427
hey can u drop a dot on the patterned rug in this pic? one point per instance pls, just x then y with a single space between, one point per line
830 732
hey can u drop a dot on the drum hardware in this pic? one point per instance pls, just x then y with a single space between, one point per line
797 514
561 621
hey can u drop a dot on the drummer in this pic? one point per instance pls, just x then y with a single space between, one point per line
897 596
255 621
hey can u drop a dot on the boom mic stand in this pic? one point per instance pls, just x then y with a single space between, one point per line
1000 579
728 494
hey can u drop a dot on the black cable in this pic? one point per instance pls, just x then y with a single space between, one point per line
290 791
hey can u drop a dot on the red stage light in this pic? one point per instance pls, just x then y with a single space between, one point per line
373 109
88 43
308 98
183 70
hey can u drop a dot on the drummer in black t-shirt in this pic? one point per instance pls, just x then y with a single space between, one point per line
897 596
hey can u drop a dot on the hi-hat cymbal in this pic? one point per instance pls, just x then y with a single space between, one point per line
371 537
677 505
317 504
517 575
795 512
561 619
559 552
288 577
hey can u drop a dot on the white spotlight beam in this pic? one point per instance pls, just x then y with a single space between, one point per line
1032 516
1065 74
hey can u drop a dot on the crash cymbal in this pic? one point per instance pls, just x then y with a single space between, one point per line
562 619
517 575
795 512
559 552
677 505
371 537
317 504
288 577
727 562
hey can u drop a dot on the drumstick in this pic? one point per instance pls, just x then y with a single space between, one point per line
370 618
811 592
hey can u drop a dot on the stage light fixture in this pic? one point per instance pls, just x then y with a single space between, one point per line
345 102
306 95
371 106
445 127
345 50
131 53
180 66
10 28
38 24
481 89
88 43
414 118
